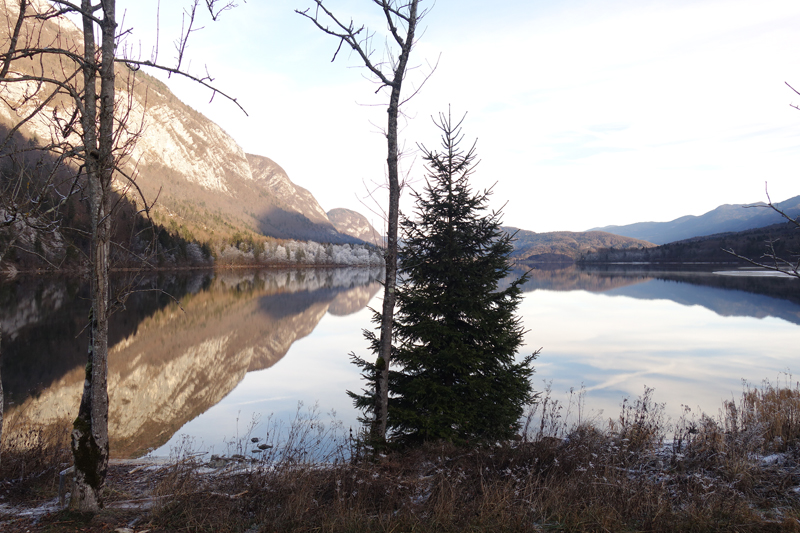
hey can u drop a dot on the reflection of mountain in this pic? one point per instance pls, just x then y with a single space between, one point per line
347 303
756 297
43 322
180 362
775 287
572 278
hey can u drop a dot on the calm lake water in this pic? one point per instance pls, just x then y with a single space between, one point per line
246 345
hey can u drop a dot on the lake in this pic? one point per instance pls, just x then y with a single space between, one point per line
244 345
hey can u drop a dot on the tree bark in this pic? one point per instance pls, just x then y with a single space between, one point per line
1 397
90 429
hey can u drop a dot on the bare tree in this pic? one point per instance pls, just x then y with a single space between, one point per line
770 259
63 82
402 18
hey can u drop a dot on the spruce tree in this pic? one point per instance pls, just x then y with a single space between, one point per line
456 338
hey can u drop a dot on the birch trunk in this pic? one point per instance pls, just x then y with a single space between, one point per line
90 429
1 397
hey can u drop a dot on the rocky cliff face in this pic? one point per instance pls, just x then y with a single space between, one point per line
355 224
209 185
288 210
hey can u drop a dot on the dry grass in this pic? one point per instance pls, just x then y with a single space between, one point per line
738 471
735 472
31 459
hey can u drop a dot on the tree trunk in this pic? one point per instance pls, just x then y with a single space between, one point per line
90 429
96 157
89 448
1 397
389 292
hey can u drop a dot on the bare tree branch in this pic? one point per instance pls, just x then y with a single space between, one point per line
774 261
777 264
204 81
350 35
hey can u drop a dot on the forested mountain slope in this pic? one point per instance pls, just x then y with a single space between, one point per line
204 186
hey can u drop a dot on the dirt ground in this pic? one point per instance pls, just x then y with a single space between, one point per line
129 497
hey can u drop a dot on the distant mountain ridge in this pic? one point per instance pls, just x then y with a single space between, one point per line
724 219
567 246
750 243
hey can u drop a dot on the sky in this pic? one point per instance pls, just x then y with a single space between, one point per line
586 113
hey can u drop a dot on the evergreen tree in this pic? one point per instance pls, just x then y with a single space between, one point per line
456 333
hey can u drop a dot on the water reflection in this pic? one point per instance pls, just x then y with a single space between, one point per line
249 343
691 335
745 296
178 361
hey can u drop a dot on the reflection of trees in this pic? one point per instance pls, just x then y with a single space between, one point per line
173 365
572 278
721 301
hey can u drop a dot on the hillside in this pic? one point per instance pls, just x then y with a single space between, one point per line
724 219
749 243
566 246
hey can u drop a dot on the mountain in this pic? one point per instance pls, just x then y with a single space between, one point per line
355 224
723 219
288 210
204 185
750 243
566 246
209 185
